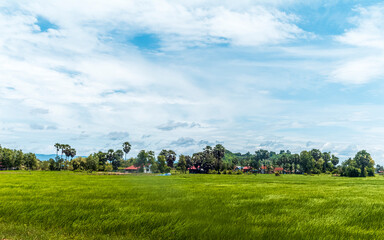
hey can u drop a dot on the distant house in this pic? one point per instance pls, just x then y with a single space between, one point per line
133 169
247 169
147 169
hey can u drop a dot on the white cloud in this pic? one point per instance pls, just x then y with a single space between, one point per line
178 25
83 80
367 37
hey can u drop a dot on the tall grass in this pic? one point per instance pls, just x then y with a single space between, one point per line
64 205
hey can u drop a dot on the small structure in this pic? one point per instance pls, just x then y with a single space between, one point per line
247 169
131 169
147 169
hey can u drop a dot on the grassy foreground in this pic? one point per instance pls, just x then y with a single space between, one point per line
64 205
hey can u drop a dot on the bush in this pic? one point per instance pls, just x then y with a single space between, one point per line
371 172
277 174
335 171
167 169
353 172
212 171
229 171
238 172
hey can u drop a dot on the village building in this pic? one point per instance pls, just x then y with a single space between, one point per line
133 169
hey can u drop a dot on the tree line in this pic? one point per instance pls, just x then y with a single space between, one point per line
16 159
210 160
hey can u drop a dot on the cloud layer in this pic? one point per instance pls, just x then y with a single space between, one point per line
163 74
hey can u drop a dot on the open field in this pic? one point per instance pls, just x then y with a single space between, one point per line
66 205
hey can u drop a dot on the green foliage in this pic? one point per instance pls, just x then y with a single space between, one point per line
170 157
353 171
371 172
182 164
335 171
212 171
162 165
307 161
126 148
16 159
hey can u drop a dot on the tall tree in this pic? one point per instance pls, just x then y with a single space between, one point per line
261 156
126 149
327 159
110 155
307 161
334 160
72 153
57 146
363 160
218 153
182 164
170 157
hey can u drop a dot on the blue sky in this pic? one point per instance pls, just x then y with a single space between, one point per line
183 74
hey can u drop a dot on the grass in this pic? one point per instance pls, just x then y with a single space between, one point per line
66 205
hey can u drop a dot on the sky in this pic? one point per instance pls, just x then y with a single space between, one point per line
262 74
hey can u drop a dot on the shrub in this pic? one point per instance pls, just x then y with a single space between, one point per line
224 172
277 174
371 172
212 171
353 172
335 171
238 172
229 172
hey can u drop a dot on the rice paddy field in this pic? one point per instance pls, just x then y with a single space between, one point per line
66 205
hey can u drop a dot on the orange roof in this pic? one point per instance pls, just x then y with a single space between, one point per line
131 168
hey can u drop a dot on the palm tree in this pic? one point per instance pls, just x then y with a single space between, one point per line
126 149
110 155
57 146
72 153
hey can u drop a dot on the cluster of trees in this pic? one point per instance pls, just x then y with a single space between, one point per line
16 159
264 161
205 161
210 159
100 161
361 165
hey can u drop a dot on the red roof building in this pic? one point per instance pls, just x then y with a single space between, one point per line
132 168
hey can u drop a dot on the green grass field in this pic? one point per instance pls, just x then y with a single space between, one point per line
65 205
